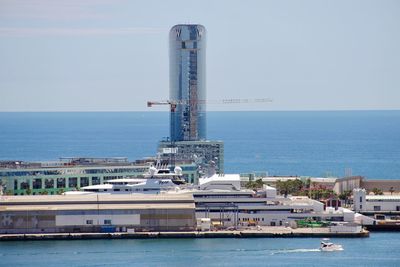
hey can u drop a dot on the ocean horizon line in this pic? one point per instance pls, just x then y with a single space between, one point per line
221 111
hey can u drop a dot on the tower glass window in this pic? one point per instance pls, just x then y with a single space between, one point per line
188 82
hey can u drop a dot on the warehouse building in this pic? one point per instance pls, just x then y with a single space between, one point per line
96 213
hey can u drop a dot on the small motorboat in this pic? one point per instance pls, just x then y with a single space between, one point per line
329 246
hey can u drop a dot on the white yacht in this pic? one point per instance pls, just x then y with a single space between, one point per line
155 181
329 246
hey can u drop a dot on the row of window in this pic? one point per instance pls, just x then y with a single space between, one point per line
383 200
61 182
378 208
119 190
189 44
222 196
106 222
251 219
256 220
73 171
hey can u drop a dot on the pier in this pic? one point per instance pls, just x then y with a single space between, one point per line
265 232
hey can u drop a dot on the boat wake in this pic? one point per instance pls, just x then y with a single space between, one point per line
298 250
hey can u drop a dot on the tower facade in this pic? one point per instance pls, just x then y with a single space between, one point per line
187 57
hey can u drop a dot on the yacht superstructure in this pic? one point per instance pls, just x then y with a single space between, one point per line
154 182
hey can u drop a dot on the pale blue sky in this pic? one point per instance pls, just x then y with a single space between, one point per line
81 55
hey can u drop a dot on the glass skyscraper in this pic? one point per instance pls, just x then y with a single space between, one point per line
187 45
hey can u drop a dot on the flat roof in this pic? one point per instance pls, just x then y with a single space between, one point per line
394 180
96 202
69 167
109 198
66 207
383 197
278 178
323 180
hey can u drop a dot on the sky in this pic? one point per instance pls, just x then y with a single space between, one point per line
112 55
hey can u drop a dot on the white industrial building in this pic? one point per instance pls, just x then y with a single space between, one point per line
235 207
375 203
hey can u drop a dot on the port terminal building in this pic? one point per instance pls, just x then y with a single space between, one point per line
162 212
245 208
67 174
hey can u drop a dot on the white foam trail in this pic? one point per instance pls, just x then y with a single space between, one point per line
298 250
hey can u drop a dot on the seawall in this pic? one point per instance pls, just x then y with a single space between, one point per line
154 235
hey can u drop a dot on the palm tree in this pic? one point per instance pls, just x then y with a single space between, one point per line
377 191
345 196
391 190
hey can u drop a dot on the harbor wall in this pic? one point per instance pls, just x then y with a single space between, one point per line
315 233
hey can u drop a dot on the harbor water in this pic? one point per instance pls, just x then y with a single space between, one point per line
325 143
380 249
283 143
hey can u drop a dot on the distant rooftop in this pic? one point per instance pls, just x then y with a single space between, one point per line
96 202
74 162
85 160
383 197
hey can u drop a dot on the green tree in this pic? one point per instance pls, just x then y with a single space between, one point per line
377 191
293 187
60 191
315 194
327 193
254 185
296 186
282 188
307 183
345 196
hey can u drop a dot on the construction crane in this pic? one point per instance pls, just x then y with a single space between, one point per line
174 103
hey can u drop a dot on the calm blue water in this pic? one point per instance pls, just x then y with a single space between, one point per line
282 143
285 143
381 249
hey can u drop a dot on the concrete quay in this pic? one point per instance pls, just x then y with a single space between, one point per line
265 232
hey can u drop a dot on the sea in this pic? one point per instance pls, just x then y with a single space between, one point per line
305 143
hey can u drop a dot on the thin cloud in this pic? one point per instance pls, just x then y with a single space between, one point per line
56 10
39 32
